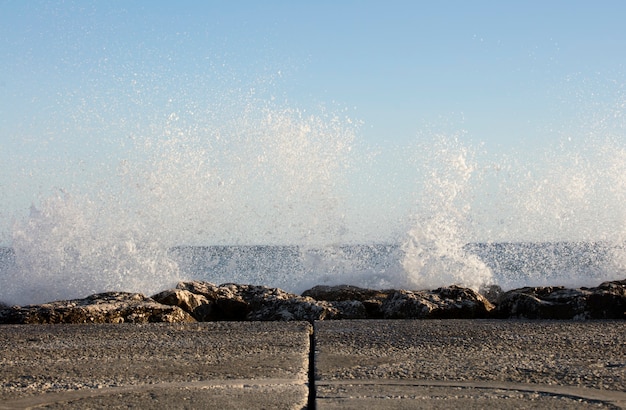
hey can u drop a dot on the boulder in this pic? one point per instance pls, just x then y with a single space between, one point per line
345 292
352 302
109 307
276 304
244 302
191 303
606 301
548 302
205 301
452 302
492 293
350 309
446 302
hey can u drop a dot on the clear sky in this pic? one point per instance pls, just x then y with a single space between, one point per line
78 79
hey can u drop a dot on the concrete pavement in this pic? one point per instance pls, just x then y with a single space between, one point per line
358 364
443 364
221 365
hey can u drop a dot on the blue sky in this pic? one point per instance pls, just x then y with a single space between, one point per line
77 78
496 65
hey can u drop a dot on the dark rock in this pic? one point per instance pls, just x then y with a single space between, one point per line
461 303
492 293
192 303
245 302
443 303
373 308
350 309
110 307
276 304
542 303
607 301
370 300
446 302
345 292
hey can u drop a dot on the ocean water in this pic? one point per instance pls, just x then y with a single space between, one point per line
378 266
288 198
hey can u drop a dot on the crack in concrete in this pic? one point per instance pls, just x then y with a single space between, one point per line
311 404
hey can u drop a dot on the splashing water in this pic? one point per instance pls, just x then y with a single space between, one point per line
271 177
68 247
281 197
435 253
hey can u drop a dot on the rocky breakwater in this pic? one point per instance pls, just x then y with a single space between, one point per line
109 307
204 301
606 301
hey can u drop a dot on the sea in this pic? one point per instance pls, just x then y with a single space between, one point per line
376 266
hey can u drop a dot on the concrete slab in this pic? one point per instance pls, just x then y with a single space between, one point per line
470 364
205 365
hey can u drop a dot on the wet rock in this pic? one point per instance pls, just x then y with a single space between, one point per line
276 304
606 301
109 307
245 302
492 293
206 302
190 302
350 309
352 302
542 303
446 302
293 309
451 302
345 292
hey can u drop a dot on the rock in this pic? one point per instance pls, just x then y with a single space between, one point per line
275 304
245 302
222 302
492 293
110 307
345 292
462 303
447 302
351 301
542 303
204 301
350 309
607 301
451 302
293 309
191 303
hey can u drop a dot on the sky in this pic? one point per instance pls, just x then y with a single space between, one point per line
82 80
